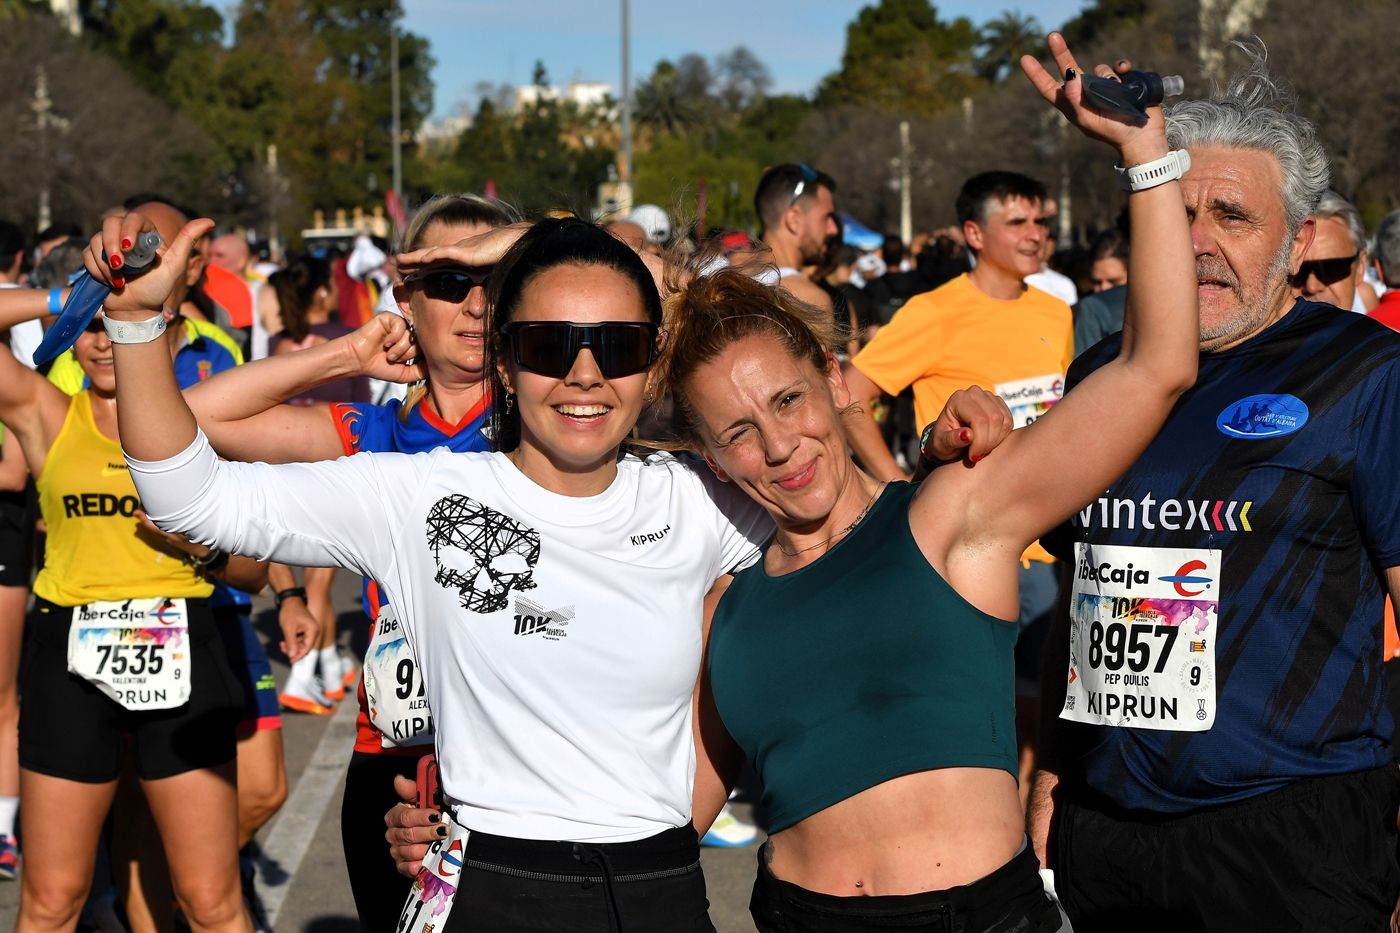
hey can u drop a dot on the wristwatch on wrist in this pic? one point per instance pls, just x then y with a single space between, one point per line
1157 172
135 331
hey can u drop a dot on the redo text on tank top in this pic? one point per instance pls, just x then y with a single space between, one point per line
89 505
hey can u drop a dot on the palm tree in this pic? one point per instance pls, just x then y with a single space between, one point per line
1004 40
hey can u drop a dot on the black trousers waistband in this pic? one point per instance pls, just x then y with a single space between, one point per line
674 851
1014 891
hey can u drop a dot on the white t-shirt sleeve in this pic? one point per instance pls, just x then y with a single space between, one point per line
338 513
741 523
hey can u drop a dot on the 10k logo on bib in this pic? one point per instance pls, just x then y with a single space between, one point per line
136 651
1143 626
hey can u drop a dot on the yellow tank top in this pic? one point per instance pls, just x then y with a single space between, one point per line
89 502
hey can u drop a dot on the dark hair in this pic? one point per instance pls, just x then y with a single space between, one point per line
715 311
552 242
942 260
892 251
1110 244
149 197
773 196
296 287
57 231
11 243
979 191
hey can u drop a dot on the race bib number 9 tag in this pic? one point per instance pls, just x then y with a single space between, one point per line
1030 398
137 651
398 706
1143 625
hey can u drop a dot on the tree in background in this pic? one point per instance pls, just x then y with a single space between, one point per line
87 159
901 57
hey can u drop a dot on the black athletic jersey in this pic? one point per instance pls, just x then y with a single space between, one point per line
1285 458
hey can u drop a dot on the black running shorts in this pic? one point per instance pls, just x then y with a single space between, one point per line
18 512
1318 855
70 729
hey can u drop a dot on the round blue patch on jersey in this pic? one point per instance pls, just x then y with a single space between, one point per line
1263 416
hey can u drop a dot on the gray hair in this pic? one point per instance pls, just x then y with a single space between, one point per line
1256 112
1388 248
1334 205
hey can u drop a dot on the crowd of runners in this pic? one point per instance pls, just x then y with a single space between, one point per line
1035 588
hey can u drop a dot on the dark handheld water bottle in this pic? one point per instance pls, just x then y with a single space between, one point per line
87 296
1132 95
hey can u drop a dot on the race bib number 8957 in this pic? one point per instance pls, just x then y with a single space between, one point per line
1143 625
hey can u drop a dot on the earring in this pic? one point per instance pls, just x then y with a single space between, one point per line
510 400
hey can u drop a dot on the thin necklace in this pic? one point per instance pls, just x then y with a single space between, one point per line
846 530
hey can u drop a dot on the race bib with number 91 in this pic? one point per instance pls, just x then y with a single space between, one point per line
1143 625
136 651
398 705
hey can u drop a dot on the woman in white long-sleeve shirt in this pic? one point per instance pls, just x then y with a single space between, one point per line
551 591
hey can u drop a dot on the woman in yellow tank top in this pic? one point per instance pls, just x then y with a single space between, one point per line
121 649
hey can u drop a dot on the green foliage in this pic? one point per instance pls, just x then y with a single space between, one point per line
901 57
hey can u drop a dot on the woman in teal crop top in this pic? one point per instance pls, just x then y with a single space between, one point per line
864 665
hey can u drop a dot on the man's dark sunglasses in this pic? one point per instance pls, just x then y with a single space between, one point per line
1328 271
451 285
620 348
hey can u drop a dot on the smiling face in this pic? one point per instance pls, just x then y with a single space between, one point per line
1239 233
1011 237
450 333
93 351
571 428
770 422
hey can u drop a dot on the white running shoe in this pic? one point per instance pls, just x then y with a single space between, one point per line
730 832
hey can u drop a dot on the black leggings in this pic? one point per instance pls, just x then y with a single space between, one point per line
379 890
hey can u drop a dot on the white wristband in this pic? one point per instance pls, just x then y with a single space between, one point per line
134 331
1157 172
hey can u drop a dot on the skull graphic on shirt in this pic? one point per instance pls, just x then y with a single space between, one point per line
482 554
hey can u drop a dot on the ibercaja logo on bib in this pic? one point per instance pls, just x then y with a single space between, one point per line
1143 626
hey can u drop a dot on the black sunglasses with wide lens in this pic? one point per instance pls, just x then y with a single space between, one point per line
1327 271
620 348
450 285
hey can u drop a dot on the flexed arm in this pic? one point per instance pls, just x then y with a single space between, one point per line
1041 474
241 409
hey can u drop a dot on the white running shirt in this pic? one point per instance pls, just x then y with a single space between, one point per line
559 637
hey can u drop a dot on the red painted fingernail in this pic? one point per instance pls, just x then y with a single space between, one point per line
126 242
118 283
965 436
115 261
976 457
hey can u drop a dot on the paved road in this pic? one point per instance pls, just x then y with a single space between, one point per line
302 871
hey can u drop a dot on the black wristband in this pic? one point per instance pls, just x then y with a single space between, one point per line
289 593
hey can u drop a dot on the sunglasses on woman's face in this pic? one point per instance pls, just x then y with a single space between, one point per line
1328 271
451 285
620 348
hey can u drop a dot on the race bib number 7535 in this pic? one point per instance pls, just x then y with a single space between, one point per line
136 651
1143 625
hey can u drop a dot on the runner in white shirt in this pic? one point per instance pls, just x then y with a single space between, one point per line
551 592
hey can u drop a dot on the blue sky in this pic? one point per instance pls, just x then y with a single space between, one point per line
799 40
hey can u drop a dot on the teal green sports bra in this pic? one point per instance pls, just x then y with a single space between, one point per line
862 666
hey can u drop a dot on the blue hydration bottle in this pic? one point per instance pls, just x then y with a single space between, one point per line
87 296
1132 95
